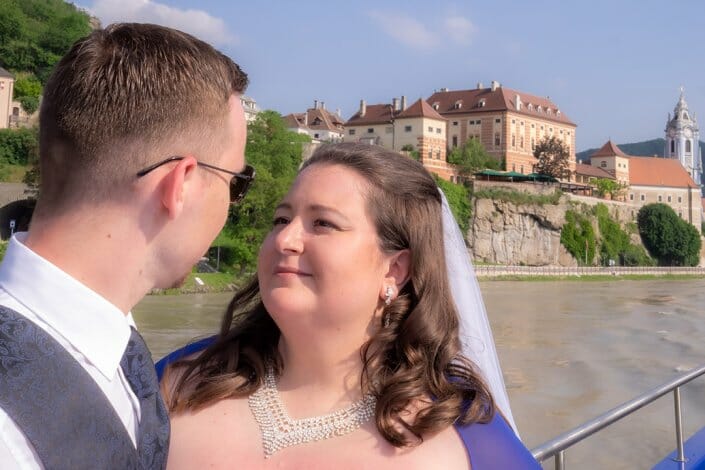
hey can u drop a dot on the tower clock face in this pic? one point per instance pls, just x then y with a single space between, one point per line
688 133
671 132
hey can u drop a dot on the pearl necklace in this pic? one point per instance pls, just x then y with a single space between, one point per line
280 431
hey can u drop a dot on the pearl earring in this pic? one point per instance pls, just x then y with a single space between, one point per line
388 295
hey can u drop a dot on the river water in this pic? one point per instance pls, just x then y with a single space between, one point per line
569 350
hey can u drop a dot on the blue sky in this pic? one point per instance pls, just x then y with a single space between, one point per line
614 67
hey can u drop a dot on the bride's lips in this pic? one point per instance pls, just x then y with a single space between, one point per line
284 270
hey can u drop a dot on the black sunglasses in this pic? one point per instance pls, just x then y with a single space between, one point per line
238 185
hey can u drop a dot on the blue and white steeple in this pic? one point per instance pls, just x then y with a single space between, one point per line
683 139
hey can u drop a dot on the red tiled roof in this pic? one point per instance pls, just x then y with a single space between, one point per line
294 121
315 119
374 114
653 171
589 170
502 99
609 150
420 109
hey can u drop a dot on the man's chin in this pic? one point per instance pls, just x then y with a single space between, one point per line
180 281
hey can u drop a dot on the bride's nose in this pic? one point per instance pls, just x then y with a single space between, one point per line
290 237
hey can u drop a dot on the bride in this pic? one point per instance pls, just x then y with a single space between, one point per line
346 351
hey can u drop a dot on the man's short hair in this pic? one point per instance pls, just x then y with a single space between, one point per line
127 96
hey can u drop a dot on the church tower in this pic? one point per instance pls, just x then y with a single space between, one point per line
683 139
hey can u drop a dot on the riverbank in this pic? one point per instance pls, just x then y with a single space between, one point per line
211 283
204 283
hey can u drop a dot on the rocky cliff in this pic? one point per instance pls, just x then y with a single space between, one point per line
529 234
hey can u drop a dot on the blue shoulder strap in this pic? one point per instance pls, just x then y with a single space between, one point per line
495 445
181 353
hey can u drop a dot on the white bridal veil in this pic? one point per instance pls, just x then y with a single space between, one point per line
475 332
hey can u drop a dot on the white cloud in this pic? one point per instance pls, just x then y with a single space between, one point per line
460 29
196 22
405 30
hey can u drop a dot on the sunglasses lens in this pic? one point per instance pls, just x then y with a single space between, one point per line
240 184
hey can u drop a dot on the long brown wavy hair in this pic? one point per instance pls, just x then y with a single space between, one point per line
416 359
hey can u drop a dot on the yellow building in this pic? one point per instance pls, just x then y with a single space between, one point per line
398 127
509 123
7 82
652 180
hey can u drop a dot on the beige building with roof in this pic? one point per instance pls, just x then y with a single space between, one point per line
317 122
398 127
7 82
509 123
652 180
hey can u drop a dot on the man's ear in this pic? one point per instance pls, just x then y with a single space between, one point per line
174 186
399 269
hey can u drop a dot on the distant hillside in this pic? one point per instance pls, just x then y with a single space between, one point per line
648 148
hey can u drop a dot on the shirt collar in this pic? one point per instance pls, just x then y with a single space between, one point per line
91 324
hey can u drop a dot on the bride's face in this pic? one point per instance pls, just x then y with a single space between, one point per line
321 265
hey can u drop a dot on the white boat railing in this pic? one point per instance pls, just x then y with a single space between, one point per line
556 447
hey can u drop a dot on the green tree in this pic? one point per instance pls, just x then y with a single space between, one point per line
553 158
458 197
34 34
578 237
669 239
472 157
275 153
19 146
606 186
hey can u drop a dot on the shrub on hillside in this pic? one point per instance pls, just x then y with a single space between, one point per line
578 237
458 198
669 239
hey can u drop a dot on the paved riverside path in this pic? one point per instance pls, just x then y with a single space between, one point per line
495 271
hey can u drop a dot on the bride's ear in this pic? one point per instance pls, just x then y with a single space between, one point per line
399 269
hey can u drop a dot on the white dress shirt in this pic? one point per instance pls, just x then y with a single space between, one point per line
91 329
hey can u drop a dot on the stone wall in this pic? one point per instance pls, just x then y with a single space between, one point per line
504 233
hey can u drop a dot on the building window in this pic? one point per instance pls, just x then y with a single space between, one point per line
498 120
389 130
687 146
430 154
514 141
533 126
513 121
673 146
455 141
315 136
407 128
455 123
669 198
496 139
659 198
351 132
680 199
533 144
522 169
642 197
514 167
370 130
603 164
521 142
438 130
430 129
631 197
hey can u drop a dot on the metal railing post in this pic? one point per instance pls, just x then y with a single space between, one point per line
560 460
679 424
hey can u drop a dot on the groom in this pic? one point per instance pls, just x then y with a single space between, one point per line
142 139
